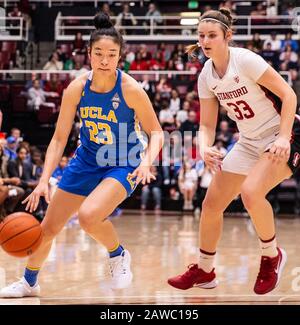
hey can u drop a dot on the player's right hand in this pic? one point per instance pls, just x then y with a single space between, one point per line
33 199
212 158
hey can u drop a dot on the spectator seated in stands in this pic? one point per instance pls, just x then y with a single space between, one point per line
16 133
256 44
129 56
192 98
125 19
179 51
10 148
163 51
69 64
157 102
29 83
79 70
157 62
64 51
271 56
37 164
229 5
288 8
18 168
194 66
37 97
54 85
172 159
166 117
139 63
21 169
171 66
289 41
258 11
275 43
289 62
224 133
106 9
29 149
192 151
164 88
155 188
79 46
54 63
57 175
15 12
148 86
10 191
182 114
188 183
178 62
146 55
174 102
154 18
190 127
272 11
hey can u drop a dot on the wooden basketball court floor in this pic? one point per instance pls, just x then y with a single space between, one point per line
161 246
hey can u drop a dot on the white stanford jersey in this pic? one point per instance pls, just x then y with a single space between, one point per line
253 107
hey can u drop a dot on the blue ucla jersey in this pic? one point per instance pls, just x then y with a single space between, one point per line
110 131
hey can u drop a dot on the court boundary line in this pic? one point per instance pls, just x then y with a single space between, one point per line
164 300
170 296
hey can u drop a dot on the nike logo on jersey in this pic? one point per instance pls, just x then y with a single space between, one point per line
214 88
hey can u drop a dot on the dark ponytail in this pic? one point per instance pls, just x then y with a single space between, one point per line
105 28
102 21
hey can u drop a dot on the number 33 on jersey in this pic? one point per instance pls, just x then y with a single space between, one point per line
250 105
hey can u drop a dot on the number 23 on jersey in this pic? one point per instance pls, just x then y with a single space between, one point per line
99 132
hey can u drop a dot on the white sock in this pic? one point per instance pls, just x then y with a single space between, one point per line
206 262
269 248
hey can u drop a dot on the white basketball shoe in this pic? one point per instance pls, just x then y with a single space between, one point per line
20 289
120 270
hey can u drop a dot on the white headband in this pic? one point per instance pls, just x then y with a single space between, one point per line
216 20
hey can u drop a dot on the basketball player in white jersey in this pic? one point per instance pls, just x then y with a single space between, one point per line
263 105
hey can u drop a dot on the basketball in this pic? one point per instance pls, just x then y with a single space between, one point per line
20 234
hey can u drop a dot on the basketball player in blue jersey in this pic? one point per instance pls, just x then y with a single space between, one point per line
263 106
106 167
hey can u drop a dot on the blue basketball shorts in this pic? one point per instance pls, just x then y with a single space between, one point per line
83 175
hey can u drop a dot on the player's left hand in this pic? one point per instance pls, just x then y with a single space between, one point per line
142 174
280 150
